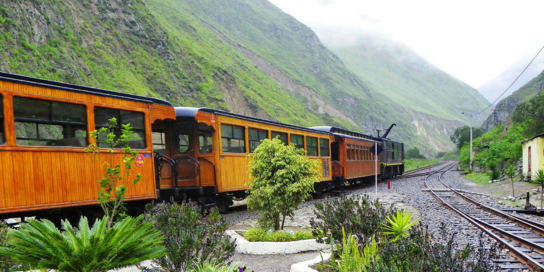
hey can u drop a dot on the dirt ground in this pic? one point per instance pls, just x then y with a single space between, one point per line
502 189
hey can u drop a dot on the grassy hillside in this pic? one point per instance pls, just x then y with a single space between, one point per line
244 56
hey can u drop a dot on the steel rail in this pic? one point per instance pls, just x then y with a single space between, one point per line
490 230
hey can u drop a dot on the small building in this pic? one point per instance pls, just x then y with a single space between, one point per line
533 155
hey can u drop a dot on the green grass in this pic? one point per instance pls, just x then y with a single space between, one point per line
410 164
261 235
479 178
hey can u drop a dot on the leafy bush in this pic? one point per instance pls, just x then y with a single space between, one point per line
351 259
193 235
418 251
209 266
282 179
261 235
413 153
41 245
114 178
358 215
5 263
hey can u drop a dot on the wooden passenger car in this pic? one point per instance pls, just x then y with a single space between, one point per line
44 128
352 158
210 148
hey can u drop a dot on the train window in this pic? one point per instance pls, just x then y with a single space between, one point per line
255 137
135 119
205 139
183 142
232 139
348 148
324 147
159 143
282 136
359 157
2 139
298 140
49 123
311 146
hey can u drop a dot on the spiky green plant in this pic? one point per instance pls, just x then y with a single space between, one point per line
351 258
41 245
539 177
399 224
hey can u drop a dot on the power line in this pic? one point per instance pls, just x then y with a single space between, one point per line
514 81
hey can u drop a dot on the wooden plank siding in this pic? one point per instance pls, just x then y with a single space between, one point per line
48 177
232 168
357 166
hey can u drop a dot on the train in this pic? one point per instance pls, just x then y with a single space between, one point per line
184 152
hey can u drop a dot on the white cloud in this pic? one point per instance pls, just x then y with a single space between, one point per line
472 40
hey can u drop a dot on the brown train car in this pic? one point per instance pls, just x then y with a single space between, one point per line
44 129
209 148
352 157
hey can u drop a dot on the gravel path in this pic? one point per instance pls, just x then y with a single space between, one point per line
404 193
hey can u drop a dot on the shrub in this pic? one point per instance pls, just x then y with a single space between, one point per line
5 263
41 245
351 259
418 251
210 266
282 179
261 235
358 215
192 235
112 184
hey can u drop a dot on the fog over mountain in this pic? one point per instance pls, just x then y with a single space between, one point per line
495 87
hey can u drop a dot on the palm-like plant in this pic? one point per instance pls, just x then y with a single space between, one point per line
399 224
539 176
41 245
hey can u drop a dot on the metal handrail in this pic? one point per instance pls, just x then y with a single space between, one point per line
161 158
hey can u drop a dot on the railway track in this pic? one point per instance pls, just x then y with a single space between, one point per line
522 238
423 171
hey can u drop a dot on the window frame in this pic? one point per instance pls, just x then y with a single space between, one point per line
119 126
321 148
243 139
258 140
296 145
272 136
308 146
71 125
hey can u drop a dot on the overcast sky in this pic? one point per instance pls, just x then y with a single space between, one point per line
473 40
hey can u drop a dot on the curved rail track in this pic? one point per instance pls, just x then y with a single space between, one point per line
523 238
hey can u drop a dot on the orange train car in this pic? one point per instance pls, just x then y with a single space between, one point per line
44 128
204 152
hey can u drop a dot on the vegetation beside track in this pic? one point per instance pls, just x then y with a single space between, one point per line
410 164
479 178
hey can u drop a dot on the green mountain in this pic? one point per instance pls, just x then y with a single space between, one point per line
405 77
245 56
506 106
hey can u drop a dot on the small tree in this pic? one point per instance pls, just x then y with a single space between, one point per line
539 176
112 189
510 172
282 179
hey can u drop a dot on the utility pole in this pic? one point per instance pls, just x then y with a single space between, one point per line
470 166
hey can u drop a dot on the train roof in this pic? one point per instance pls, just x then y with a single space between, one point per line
190 112
341 131
78 88
355 138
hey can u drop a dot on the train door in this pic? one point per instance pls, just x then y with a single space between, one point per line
184 153
206 156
